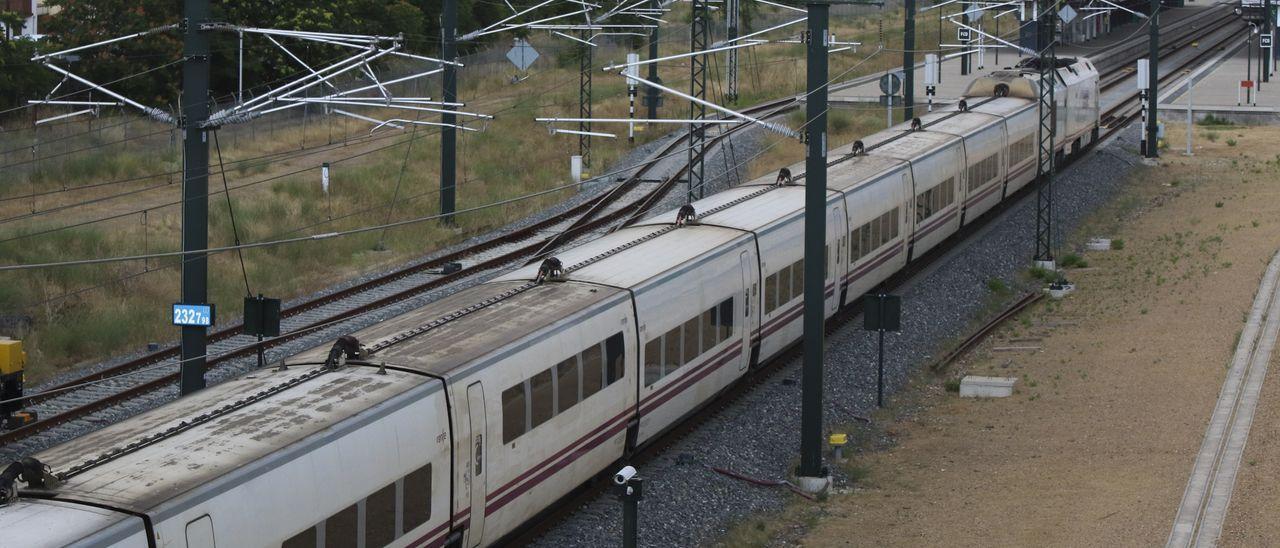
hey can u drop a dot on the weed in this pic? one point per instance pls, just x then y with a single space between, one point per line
1117 244
996 285
1071 260
1217 204
1211 136
952 385
1211 120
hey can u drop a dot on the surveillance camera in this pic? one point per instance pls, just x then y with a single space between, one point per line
624 475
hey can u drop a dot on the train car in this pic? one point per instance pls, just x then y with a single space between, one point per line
455 423
773 214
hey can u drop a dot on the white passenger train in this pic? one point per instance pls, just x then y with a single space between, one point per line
454 424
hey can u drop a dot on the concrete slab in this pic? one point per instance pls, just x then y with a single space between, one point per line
973 386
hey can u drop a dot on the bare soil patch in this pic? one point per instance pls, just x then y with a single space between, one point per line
1115 383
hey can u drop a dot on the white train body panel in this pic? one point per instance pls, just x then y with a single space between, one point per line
471 419
878 221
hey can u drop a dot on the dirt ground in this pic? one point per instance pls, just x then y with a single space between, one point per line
1115 383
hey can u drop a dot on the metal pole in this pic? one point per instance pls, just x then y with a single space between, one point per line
880 367
449 135
733 19
909 60
1153 96
240 77
651 92
195 186
584 100
697 111
815 230
631 491
964 19
1046 45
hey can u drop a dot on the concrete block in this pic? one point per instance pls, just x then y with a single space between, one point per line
972 386
1098 244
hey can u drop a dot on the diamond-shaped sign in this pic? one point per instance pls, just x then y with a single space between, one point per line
522 54
1066 14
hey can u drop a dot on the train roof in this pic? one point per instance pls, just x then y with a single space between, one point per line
485 331
954 122
756 213
1002 106
642 263
35 522
914 145
300 402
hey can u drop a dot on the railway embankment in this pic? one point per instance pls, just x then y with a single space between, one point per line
1116 383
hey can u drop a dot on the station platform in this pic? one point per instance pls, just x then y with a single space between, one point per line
1216 91
1132 34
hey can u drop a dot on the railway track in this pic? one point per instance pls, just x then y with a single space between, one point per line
1124 112
80 399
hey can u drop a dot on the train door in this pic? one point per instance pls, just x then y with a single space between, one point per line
746 265
835 258
200 532
909 212
476 419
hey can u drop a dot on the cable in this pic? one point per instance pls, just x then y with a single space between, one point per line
235 233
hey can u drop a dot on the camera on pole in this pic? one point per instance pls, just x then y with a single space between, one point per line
630 489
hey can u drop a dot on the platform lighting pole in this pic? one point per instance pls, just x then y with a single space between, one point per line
697 111
651 93
815 242
448 135
1047 65
964 58
1153 98
733 18
195 186
909 59
584 99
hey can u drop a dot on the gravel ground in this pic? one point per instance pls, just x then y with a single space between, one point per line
757 435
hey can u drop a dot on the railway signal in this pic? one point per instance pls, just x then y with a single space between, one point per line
881 313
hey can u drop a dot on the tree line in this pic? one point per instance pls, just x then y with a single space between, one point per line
153 62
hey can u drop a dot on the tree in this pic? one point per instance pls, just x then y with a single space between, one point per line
20 79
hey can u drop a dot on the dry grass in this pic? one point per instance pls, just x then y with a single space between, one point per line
83 313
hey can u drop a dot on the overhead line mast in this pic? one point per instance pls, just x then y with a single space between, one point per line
1047 60
698 32
193 115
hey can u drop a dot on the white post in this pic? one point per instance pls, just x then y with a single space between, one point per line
1189 119
35 18
240 80
888 112
575 168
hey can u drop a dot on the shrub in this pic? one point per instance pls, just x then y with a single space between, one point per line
996 285
1074 261
1231 142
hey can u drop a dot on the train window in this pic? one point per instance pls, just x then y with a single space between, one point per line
770 293
417 497
653 361
798 279
380 517
886 228
671 351
592 370
691 328
896 223
341 529
513 411
541 398
875 234
566 384
784 285
864 235
710 334
615 365
306 539
724 318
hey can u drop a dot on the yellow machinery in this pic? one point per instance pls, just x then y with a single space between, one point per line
12 362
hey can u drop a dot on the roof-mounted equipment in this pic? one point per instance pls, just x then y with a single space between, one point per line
858 149
31 471
963 105
345 348
784 178
1001 90
916 125
551 270
686 216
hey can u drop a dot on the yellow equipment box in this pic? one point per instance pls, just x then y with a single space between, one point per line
12 358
